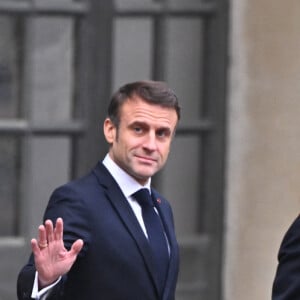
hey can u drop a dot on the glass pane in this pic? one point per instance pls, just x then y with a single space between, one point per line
50 43
9 67
9 172
180 182
132 50
9 108
184 63
49 160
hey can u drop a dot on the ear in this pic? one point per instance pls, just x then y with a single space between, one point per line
109 130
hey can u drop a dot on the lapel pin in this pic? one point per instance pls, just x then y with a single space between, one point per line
158 201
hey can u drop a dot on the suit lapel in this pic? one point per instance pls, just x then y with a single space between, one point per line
123 209
174 251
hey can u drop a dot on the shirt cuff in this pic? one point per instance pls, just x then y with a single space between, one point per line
42 294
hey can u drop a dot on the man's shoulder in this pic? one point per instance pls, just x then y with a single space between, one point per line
291 238
295 225
93 179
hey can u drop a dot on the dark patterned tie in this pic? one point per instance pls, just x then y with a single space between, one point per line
156 235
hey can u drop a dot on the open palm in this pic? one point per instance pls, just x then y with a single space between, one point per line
52 259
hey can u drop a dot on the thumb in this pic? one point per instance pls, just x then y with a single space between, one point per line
76 247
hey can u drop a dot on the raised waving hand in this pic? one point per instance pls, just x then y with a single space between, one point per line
52 259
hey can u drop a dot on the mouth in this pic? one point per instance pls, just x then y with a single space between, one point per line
146 159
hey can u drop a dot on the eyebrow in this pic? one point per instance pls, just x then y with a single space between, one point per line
145 124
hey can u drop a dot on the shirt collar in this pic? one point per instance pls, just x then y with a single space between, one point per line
127 183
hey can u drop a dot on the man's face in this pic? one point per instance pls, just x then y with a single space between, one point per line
141 144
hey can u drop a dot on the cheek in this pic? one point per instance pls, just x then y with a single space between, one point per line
126 146
132 143
164 151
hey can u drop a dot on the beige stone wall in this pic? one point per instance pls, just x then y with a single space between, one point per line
263 177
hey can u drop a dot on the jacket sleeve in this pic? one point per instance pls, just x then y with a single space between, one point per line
25 284
286 285
25 281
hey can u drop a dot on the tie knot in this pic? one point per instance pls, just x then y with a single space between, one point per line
143 197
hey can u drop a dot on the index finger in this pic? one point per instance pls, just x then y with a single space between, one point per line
42 236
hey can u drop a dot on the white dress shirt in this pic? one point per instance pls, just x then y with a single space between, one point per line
128 186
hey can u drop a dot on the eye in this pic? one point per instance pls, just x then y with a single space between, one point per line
163 133
137 129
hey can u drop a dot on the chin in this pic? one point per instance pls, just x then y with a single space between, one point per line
143 176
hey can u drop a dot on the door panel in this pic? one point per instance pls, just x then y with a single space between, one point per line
59 63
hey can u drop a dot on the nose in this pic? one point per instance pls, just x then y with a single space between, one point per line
150 142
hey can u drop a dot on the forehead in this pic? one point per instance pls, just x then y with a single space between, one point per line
137 110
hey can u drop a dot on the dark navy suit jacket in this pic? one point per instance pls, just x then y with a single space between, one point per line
286 285
115 262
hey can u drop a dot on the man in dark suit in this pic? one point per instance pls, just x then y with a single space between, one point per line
95 242
286 285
